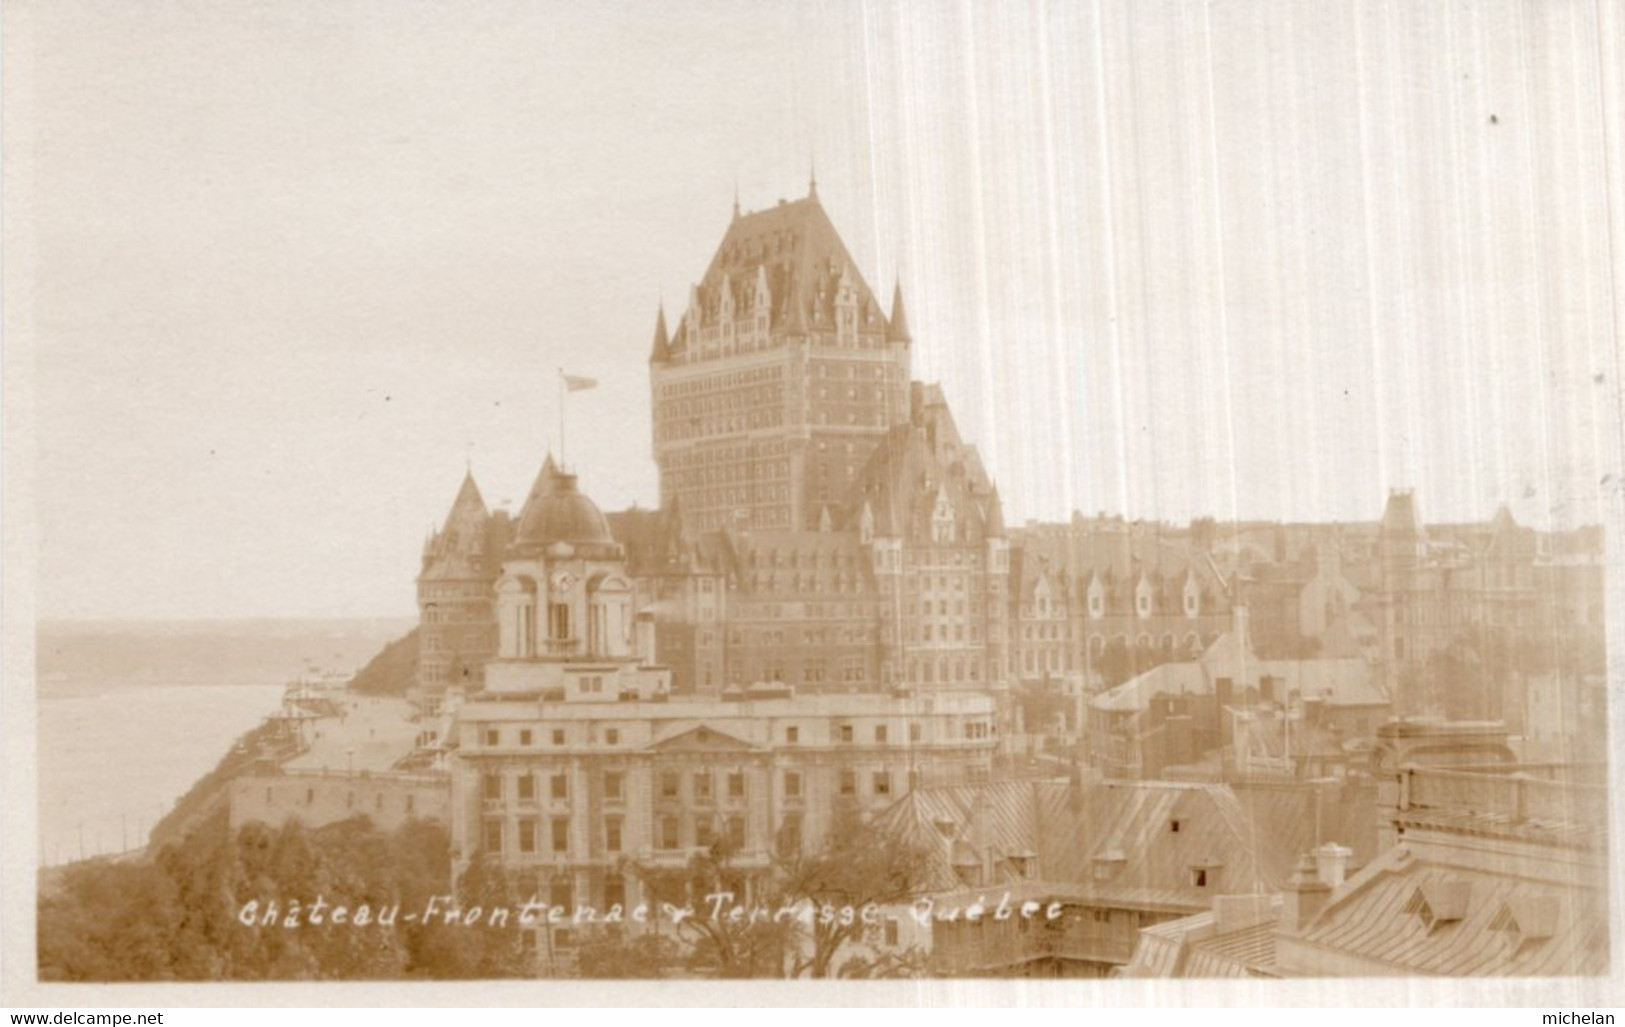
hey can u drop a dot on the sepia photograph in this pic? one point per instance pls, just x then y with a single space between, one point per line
532 503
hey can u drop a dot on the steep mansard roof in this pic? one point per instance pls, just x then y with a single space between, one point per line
793 252
458 550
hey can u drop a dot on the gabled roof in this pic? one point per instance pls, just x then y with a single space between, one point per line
1377 916
914 464
1124 825
691 737
990 822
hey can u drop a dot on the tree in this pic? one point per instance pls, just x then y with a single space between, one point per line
1041 703
713 941
858 868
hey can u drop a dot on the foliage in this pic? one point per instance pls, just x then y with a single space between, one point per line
1043 705
858 868
619 957
181 915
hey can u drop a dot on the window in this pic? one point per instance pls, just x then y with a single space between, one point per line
792 784
524 738
612 736
558 620
493 836
789 839
614 891
527 788
560 787
527 835
613 785
846 732
704 833
849 782
736 784
668 785
561 835
792 735
915 733
882 782
736 833
612 834
702 786
1173 826
1101 916
1198 877
558 736
891 932
668 832
880 735
493 737
493 787
561 893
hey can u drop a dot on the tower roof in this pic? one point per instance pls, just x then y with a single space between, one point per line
801 254
457 550
1399 516
660 352
469 502
897 329
558 512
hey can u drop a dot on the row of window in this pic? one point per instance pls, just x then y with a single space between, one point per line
734 380
493 787
526 737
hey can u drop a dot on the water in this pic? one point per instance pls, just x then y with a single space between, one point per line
113 761
131 714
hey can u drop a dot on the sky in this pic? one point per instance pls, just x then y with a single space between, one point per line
277 272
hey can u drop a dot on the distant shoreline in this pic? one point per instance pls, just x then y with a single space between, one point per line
103 624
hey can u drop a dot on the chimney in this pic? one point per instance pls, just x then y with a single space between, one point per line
1305 897
1239 626
646 638
981 832
1332 863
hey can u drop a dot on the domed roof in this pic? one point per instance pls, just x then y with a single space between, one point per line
556 511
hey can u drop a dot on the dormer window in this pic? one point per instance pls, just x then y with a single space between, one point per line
1526 920
1439 902
1108 863
1205 874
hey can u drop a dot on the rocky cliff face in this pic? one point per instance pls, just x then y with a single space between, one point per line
392 671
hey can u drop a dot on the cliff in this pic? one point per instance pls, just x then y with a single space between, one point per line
392 671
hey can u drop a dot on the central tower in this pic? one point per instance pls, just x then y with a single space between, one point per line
782 377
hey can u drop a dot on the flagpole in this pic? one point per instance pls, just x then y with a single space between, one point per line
562 463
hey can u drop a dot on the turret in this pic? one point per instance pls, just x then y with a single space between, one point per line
660 352
897 328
